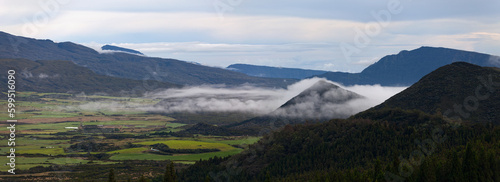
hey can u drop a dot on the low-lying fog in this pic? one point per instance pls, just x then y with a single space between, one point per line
242 99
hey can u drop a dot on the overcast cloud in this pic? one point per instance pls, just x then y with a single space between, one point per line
292 33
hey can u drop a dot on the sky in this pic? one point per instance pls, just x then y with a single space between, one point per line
330 35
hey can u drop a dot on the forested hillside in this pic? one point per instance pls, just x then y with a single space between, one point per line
459 90
365 148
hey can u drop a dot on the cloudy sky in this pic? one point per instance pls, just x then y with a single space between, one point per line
334 35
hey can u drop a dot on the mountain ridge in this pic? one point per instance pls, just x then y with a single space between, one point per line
66 77
126 65
460 91
274 72
407 67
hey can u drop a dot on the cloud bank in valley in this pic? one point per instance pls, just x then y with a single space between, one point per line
339 102
210 98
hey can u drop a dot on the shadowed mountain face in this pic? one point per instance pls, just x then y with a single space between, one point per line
274 72
458 91
320 102
126 65
66 77
408 67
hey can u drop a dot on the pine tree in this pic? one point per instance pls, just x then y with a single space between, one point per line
427 172
455 170
268 176
111 177
142 179
170 175
469 166
207 179
378 175
494 167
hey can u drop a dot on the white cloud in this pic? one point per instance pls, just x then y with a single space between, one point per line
213 98
366 62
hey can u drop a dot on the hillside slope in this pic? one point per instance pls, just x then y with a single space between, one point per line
404 139
66 77
364 150
462 90
126 65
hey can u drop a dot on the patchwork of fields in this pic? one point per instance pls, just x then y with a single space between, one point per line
60 129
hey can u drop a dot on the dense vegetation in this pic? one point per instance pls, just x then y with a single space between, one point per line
206 129
458 90
163 149
365 148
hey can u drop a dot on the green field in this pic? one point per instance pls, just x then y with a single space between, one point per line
44 116
190 157
29 162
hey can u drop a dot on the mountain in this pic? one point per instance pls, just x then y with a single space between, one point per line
406 138
320 102
407 67
129 66
116 48
274 72
402 146
66 77
460 89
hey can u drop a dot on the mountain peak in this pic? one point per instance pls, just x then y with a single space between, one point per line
317 102
320 87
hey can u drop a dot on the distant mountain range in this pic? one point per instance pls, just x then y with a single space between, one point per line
408 67
274 72
116 48
129 66
66 77
402 69
459 90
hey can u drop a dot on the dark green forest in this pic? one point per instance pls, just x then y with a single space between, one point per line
389 144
